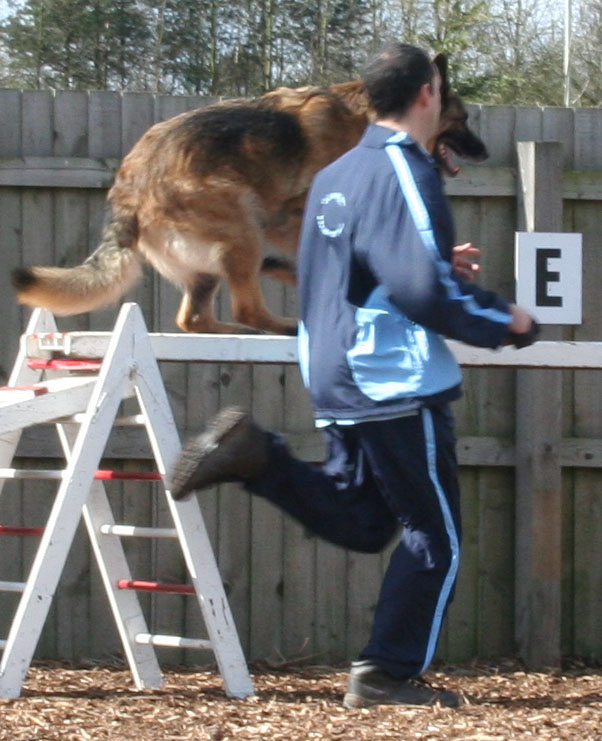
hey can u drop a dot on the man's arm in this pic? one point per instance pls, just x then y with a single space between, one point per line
428 291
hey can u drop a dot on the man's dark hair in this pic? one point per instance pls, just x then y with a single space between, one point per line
394 76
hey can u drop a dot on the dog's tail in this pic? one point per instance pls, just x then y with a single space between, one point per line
101 280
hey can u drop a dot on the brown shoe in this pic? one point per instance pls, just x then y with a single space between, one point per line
370 685
232 448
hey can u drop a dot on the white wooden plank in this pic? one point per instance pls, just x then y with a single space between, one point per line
276 349
58 535
186 516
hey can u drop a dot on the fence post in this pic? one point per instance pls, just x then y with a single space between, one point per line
538 435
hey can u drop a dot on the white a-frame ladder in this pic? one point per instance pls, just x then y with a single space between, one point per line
84 407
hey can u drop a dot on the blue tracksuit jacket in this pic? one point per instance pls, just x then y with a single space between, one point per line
376 290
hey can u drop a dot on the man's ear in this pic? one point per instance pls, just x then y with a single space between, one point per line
425 94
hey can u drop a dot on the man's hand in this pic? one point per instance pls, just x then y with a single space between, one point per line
523 329
463 260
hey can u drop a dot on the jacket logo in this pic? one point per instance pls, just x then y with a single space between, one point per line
331 220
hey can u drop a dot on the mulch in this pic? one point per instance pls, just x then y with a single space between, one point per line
501 701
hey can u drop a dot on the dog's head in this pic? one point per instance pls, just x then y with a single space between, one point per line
454 134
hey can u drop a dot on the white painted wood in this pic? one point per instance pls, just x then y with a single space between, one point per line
35 474
545 354
132 531
173 641
129 363
188 520
65 396
277 349
12 586
22 375
113 380
113 565
131 420
21 502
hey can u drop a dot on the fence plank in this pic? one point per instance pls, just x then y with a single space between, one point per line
267 524
559 125
234 514
137 115
102 136
584 536
12 565
70 215
588 406
476 181
538 476
300 547
459 637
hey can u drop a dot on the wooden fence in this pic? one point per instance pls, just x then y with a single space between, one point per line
292 595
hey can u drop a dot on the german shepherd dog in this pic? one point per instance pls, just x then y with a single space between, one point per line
202 195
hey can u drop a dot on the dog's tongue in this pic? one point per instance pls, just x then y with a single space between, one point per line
447 161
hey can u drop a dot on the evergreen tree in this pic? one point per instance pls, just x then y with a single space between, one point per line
74 44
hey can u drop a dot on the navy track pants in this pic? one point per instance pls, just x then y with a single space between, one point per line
379 475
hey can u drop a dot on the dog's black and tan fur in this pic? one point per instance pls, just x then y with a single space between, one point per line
203 195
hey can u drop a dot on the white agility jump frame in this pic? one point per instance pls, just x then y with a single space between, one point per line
84 407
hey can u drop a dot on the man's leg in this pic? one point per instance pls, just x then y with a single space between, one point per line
414 459
339 501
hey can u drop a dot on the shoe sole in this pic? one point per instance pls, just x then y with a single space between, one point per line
353 701
200 448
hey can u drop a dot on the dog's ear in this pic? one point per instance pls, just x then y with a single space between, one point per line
440 61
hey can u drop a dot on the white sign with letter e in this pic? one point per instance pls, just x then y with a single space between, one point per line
548 276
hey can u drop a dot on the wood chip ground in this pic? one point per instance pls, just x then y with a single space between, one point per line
502 701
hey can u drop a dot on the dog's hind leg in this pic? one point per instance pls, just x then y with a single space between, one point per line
246 298
196 308
196 313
